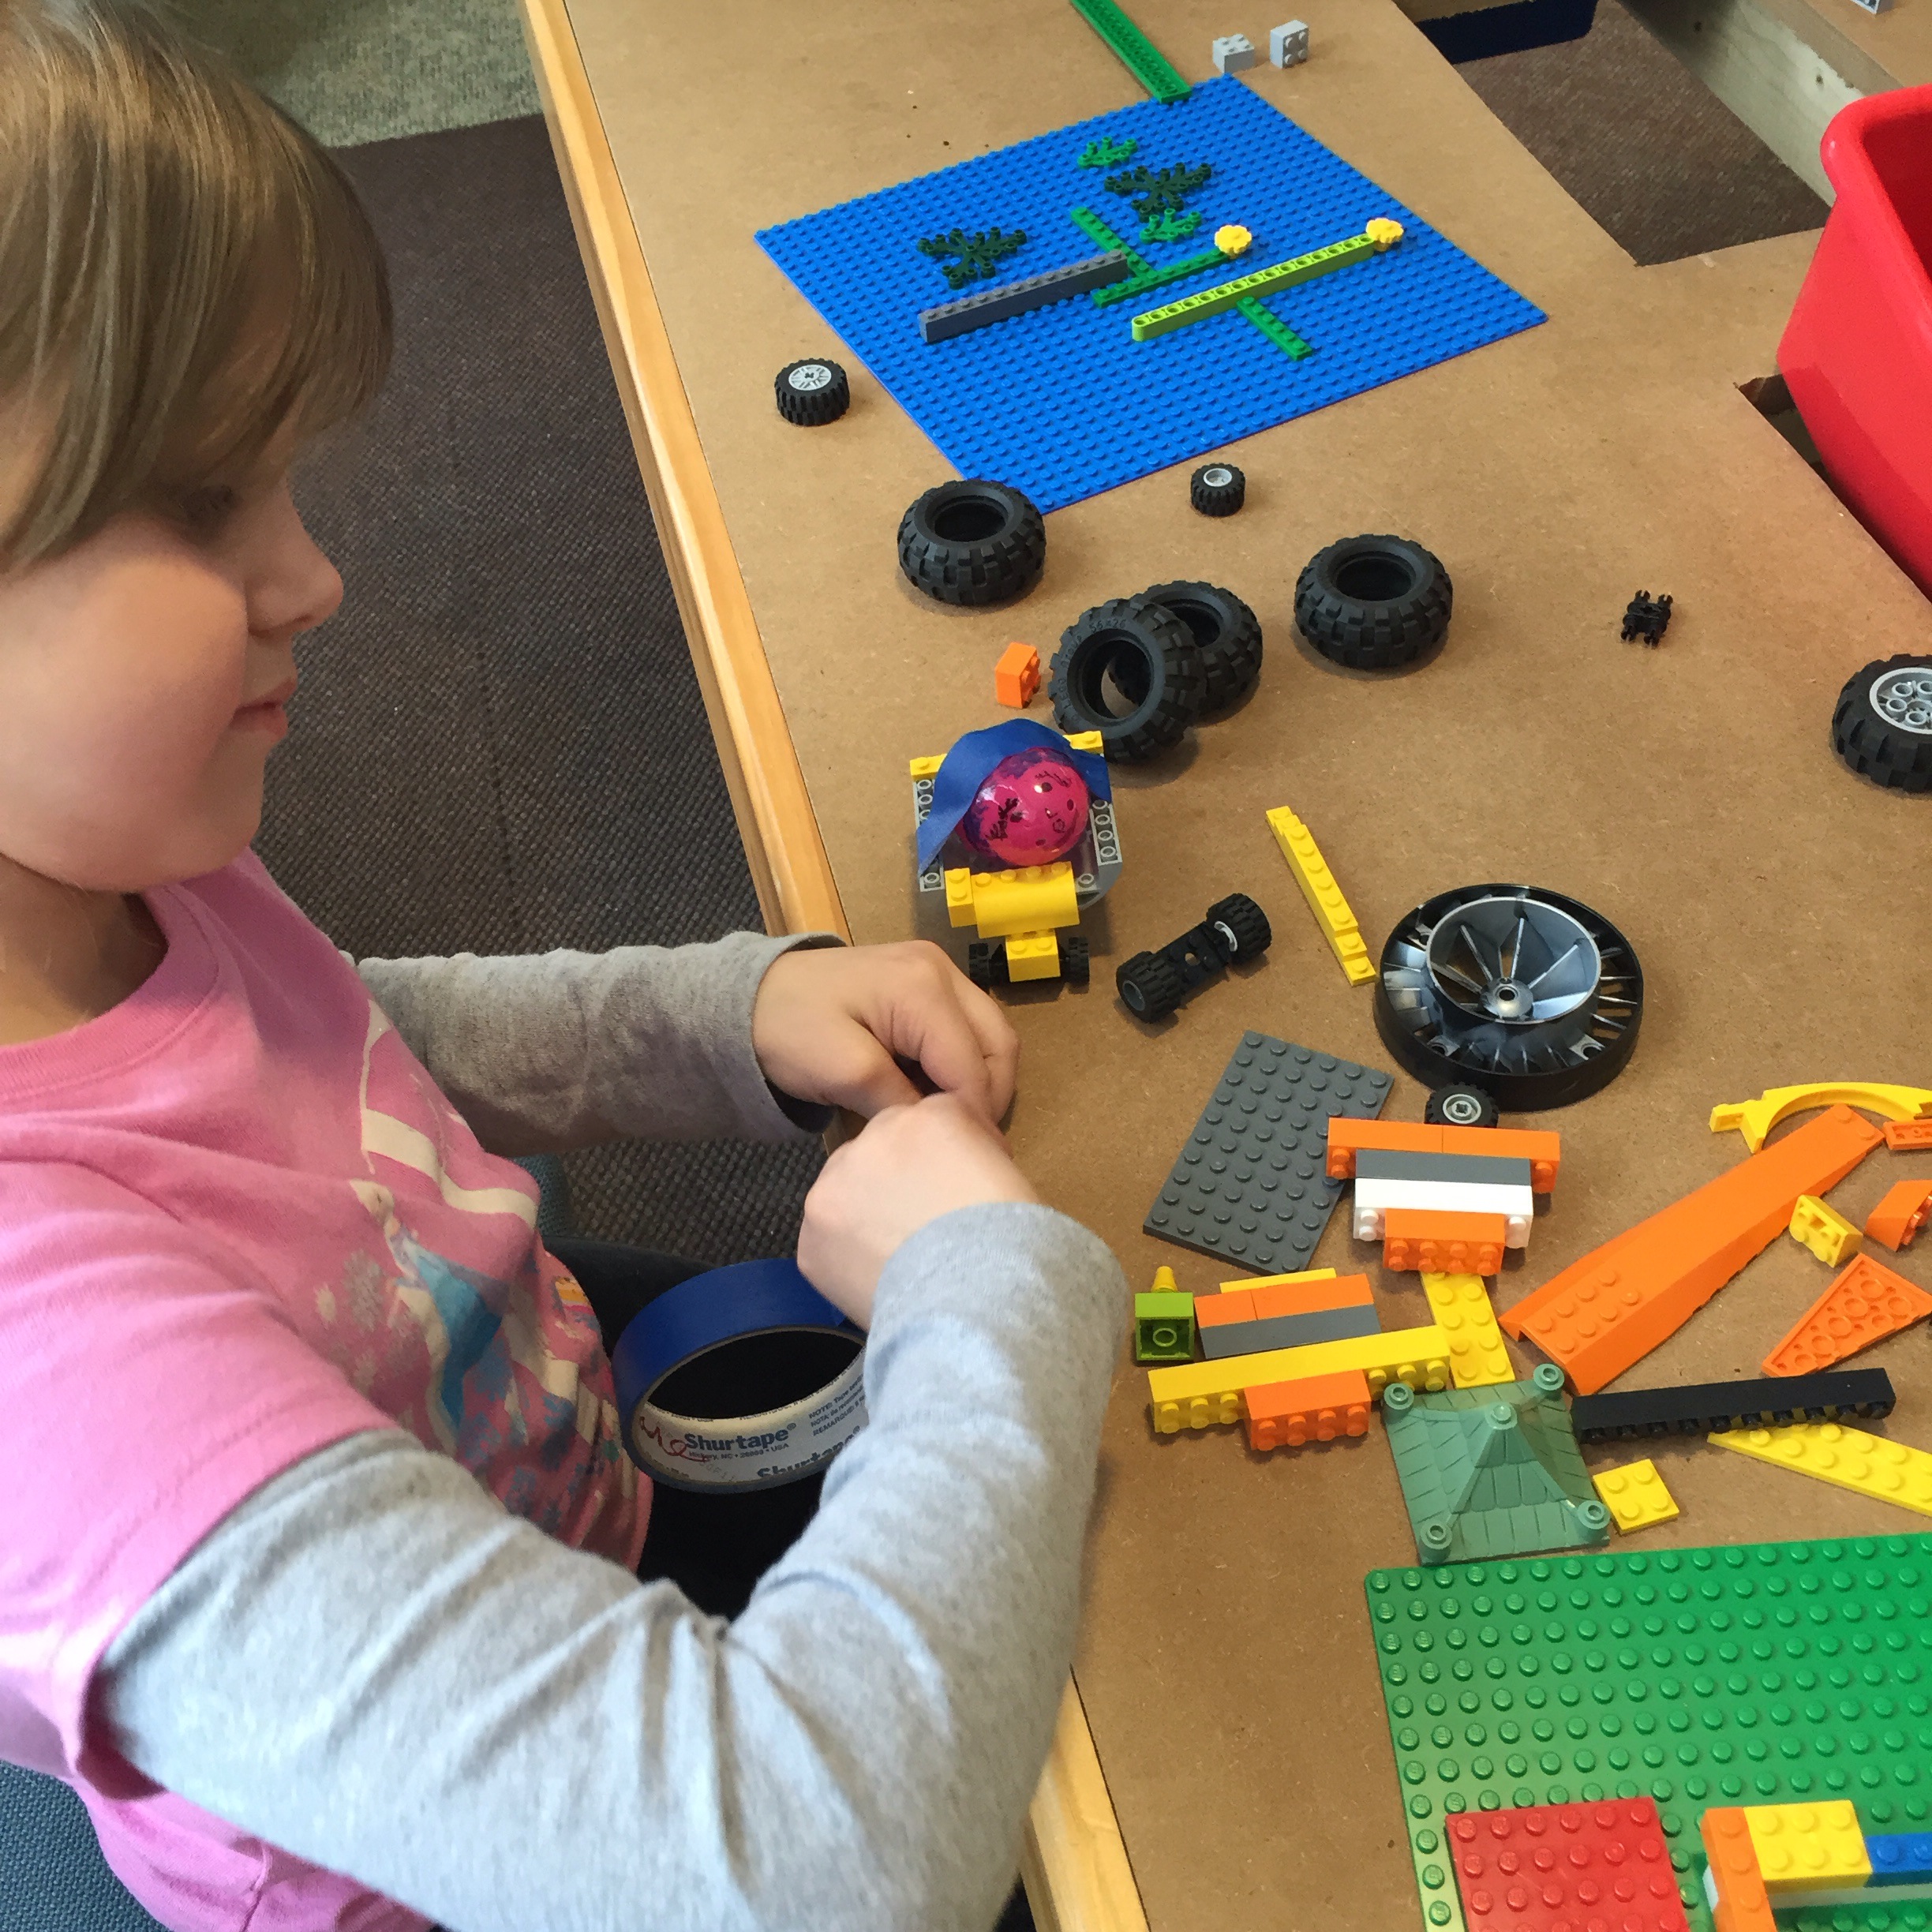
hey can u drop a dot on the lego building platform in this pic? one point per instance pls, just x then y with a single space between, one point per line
1062 403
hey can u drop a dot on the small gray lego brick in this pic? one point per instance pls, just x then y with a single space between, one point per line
1252 1184
1489 1169
1232 53
1873 6
1281 1331
1012 298
1288 43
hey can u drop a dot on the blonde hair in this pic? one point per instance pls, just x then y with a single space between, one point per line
184 274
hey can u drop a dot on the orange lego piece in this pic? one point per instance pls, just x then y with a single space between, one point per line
1016 677
1902 1135
1443 1244
1309 1297
1542 1149
1897 1218
1864 1304
1317 1408
1347 1138
1742 1903
1615 1304
1218 1310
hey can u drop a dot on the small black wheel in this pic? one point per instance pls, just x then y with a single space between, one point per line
1151 984
985 964
1217 489
1129 670
1373 603
1882 727
1226 632
1460 1106
813 391
1075 963
974 542
1241 925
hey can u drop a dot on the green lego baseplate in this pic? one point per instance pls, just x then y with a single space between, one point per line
1745 1673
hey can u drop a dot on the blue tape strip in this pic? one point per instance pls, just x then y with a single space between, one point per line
968 765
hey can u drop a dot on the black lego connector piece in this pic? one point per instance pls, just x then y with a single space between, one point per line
1154 983
1766 1401
1647 617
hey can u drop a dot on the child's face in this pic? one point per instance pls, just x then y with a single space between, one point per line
143 674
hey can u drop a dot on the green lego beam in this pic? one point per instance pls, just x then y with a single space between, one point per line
1095 229
1135 51
1152 278
1227 295
1272 326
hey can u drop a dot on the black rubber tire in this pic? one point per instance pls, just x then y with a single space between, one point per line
812 392
1892 747
1373 603
1150 985
1152 662
985 964
1217 489
1239 915
1226 632
972 542
1076 961
1460 1106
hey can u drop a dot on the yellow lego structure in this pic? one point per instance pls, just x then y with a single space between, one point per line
1277 1280
1754 1119
1324 895
1461 1306
1199 1394
1808 1848
1865 1465
1635 1496
1816 1225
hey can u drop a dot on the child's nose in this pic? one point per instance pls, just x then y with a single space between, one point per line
299 588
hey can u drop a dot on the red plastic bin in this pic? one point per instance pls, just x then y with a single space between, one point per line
1857 352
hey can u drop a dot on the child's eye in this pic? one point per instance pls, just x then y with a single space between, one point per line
205 510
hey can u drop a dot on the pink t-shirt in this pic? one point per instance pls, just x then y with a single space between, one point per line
237 1222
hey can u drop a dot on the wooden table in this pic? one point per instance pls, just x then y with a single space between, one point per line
1225 1674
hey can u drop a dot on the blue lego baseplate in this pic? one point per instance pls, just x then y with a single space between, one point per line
1062 403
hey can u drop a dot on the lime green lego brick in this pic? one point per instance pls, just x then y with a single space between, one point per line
1225 295
1163 1327
1091 226
1769 1673
1157 278
1134 50
1272 326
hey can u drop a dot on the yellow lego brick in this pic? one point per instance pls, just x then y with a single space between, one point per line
1754 1119
1277 1280
1032 956
1083 741
1816 1225
1635 1496
1324 895
1029 899
1807 1847
959 893
1196 1394
1867 1465
927 767
1461 1306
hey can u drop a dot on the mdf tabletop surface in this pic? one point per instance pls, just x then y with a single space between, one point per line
1226 1665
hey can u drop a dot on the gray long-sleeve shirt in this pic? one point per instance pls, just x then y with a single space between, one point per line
372 1664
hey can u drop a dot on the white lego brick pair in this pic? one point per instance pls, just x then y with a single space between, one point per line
1373 1199
1288 45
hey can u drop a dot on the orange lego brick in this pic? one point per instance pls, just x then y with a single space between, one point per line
1310 1298
1611 1308
1864 1304
1897 1220
1542 1149
1902 1135
1443 1244
1216 1311
1347 1138
1738 1900
1016 677
1317 1408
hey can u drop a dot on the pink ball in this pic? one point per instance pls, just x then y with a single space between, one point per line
1031 810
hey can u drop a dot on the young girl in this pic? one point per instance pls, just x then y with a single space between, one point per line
317 1543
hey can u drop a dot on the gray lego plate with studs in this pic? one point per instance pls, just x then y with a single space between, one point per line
1252 1184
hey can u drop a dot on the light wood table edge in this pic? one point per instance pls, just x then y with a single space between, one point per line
1073 1861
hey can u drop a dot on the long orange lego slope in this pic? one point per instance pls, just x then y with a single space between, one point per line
1611 1308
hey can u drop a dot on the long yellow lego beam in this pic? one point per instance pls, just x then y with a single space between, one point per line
1198 1395
1324 896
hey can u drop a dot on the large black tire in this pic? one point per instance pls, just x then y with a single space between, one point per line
1075 960
1460 1106
813 391
1225 631
974 542
985 964
1373 603
1148 656
1882 727
1151 985
1238 917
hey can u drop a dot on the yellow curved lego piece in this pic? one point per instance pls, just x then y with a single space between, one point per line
1754 1119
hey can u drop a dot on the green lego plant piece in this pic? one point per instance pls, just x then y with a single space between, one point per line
1090 224
965 257
1227 295
1493 1471
1105 152
1270 324
1164 1328
1746 1674
1163 193
1134 50
1171 226
1151 277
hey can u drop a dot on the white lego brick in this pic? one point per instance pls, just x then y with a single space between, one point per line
1288 43
1373 1199
1233 52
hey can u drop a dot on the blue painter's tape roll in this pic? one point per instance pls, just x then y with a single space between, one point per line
739 1379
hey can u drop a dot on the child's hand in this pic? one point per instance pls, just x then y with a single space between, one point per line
831 1024
908 1166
